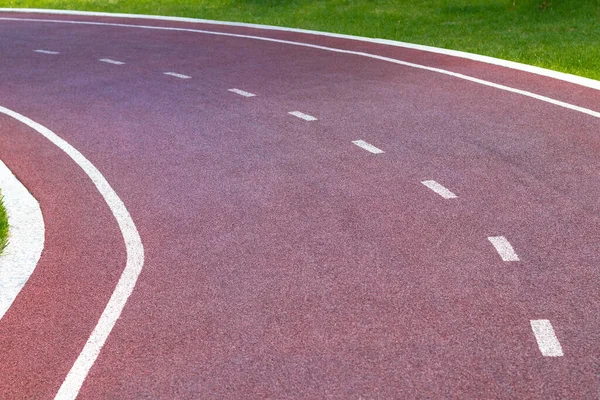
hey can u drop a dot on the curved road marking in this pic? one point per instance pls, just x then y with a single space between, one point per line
504 248
26 240
439 189
47 52
546 338
367 146
109 61
176 75
135 261
331 49
303 116
242 92
578 80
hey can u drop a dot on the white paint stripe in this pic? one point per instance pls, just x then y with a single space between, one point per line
46 51
175 74
578 80
303 116
26 238
109 61
367 146
242 93
549 100
504 248
546 338
135 261
439 189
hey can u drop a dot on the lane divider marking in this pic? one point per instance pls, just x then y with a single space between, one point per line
109 61
545 99
46 51
303 116
546 338
25 241
439 189
579 80
504 248
176 75
133 265
242 92
367 146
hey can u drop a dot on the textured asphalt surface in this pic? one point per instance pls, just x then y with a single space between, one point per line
283 261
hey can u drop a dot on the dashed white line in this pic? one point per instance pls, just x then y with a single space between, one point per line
303 116
176 75
242 92
504 248
46 51
439 189
109 61
367 146
546 338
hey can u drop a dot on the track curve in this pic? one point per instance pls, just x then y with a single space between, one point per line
284 260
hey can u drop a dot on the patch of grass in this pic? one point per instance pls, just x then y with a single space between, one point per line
563 35
3 226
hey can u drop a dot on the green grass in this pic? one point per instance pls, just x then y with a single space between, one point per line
563 35
3 226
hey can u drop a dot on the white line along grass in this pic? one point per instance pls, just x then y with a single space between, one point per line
303 116
439 189
504 248
242 92
367 146
483 82
578 80
176 75
546 338
47 52
26 238
109 61
133 266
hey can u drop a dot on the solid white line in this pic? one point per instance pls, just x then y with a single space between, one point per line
303 116
504 248
439 189
546 338
242 93
46 51
109 61
26 240
549 100
367 146
175 74
133 266
578 80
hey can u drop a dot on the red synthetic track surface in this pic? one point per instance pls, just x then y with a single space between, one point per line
282 261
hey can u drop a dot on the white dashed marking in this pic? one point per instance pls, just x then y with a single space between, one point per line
504 248
242 93
546 338
176 75
46 51
303 116
109 61
367 146
439 189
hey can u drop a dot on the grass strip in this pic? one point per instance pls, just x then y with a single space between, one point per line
3 226
560 35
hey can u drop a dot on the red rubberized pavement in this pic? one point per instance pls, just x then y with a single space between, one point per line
281 260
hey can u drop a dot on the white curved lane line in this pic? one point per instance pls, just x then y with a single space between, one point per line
578 80
559 103
26 240
135 261
504 248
